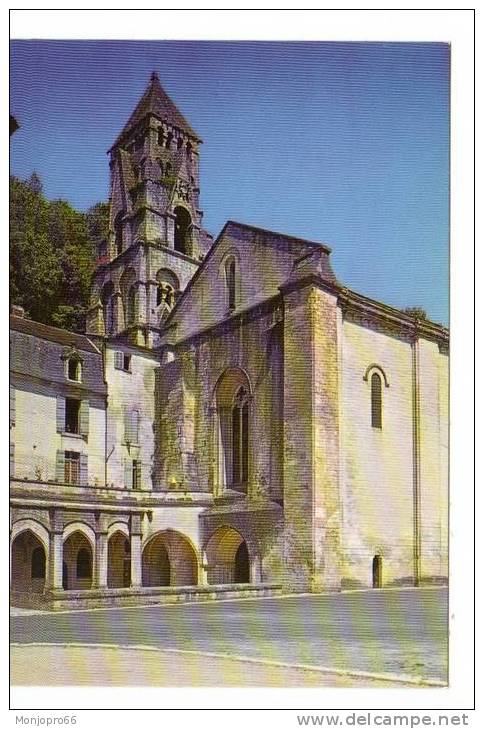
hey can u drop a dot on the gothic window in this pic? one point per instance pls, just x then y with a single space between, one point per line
160 138
189 150
37 564
240 437
169 140
179 143
83 564
376 400
160 164
230 280
168 169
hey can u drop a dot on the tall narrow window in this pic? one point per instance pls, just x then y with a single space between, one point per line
73 407
72 470
230 279
183 224
240 440
376 401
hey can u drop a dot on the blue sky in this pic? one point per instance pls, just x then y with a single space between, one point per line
345 143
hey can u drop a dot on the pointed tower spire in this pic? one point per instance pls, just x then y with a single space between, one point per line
156 238
156 102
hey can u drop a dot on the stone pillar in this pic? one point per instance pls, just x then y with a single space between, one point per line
54 572
170 230
101 560
256 569
202 570
311 439
54 566
136 563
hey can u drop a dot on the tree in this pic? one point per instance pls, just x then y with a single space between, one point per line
52 254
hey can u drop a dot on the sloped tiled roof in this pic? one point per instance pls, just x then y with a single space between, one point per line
156 101
53 334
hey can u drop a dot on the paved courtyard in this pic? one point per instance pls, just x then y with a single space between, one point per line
382 632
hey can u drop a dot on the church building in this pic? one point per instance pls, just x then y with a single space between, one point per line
235 421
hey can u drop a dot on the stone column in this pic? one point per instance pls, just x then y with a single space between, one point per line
136 565
101 560
54 576
202 570
54 566
256 569
170 230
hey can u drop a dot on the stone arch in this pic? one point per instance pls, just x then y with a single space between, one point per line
28 561
77 558
169 559
228 557
80 526
38 529
118 526
119 559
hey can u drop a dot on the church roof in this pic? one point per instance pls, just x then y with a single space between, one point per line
156 101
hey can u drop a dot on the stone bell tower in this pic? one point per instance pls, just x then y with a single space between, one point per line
156 240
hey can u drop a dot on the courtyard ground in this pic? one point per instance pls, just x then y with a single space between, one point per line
352 638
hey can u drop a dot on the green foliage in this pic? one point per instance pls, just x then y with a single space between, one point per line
416 312
52 253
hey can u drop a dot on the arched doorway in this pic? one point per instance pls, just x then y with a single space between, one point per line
377 571
169 559
28 563
233 398
228 559
183 224
119 561
77 558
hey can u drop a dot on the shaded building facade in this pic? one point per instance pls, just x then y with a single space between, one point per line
234 421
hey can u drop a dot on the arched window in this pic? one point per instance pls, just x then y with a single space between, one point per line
183 223
377 571
74 369
165 295
131 308
240 438
37 564
168 169
160 165
83 564
376 400
169 140
230 280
